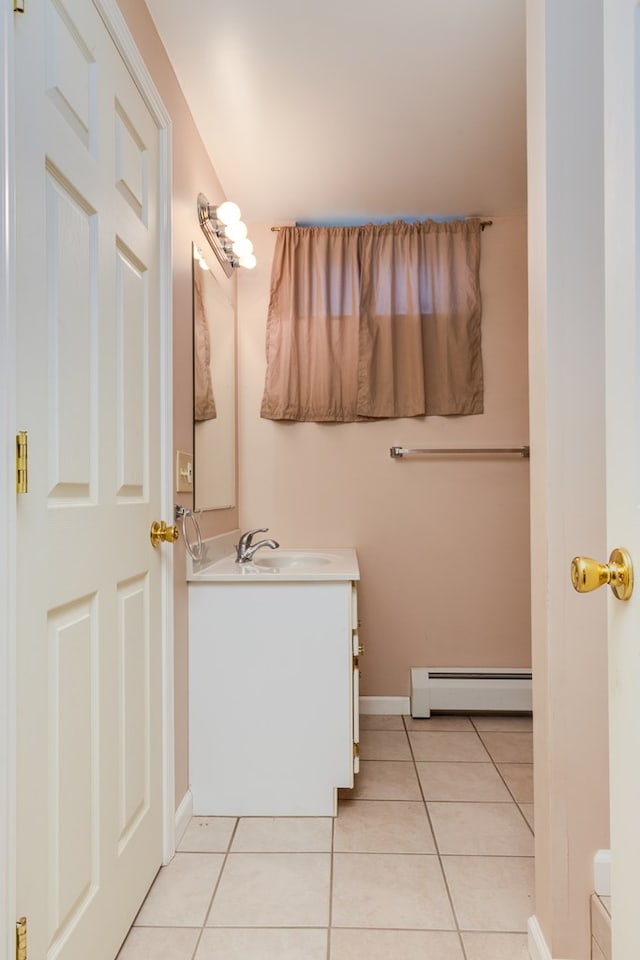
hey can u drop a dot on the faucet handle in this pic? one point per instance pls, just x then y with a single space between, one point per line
246 538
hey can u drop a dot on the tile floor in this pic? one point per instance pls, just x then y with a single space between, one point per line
431 855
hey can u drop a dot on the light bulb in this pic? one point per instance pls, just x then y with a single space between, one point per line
242 248
228 212
248 262
236 231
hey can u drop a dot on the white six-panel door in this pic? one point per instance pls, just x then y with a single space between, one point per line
89 609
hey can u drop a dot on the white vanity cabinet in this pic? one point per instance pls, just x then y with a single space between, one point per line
273 685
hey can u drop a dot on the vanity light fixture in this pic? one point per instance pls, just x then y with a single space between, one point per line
226 233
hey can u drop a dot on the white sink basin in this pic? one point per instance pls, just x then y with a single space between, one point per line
282 565
296 559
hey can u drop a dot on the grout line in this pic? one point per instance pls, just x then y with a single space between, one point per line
495 762
281 853
413 760
219 880
518 802
330 924
315 927
510 791
197 944
435 841
374 853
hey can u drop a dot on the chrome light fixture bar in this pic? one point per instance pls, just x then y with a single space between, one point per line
226 233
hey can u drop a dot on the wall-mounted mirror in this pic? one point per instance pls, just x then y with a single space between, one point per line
214 380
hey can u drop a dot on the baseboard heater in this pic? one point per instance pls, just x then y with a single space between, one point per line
469 690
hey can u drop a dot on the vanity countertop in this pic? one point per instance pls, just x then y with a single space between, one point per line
283 564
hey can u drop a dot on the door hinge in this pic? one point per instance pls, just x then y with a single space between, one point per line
22 462
18 6
356 751
21 939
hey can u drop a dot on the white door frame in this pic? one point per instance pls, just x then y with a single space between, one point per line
117 27
7 492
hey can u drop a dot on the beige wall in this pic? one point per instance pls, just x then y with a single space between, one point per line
192 174
443 545
567 479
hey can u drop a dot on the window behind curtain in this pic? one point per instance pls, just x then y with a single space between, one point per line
375 321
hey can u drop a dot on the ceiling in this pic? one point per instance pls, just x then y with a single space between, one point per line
342 111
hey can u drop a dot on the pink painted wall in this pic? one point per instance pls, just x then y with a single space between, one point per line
193 173
443 545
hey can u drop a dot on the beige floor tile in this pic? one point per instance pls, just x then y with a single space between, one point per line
283 835
182 891
516 747
503 723
262 944
273 890
481 829
384 780
394 945
450 746
462 781
374 721
207 835
389 891
439 722
519 779
382 826
384 745
496 946
150 943
528 814
491 893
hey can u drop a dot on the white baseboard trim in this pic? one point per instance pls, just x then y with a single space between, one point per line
384 705
538 949
183 815
602 873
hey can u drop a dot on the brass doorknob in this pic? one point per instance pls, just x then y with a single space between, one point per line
588 574
161 533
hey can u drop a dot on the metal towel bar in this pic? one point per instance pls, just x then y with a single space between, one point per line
397 453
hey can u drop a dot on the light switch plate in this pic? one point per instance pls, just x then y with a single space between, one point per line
184 472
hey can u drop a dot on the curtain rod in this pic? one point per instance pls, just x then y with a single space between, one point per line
483 224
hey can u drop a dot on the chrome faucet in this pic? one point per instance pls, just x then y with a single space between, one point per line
245 548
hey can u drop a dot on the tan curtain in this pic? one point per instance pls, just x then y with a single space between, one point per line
204 404
374 322
420 311
312 326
